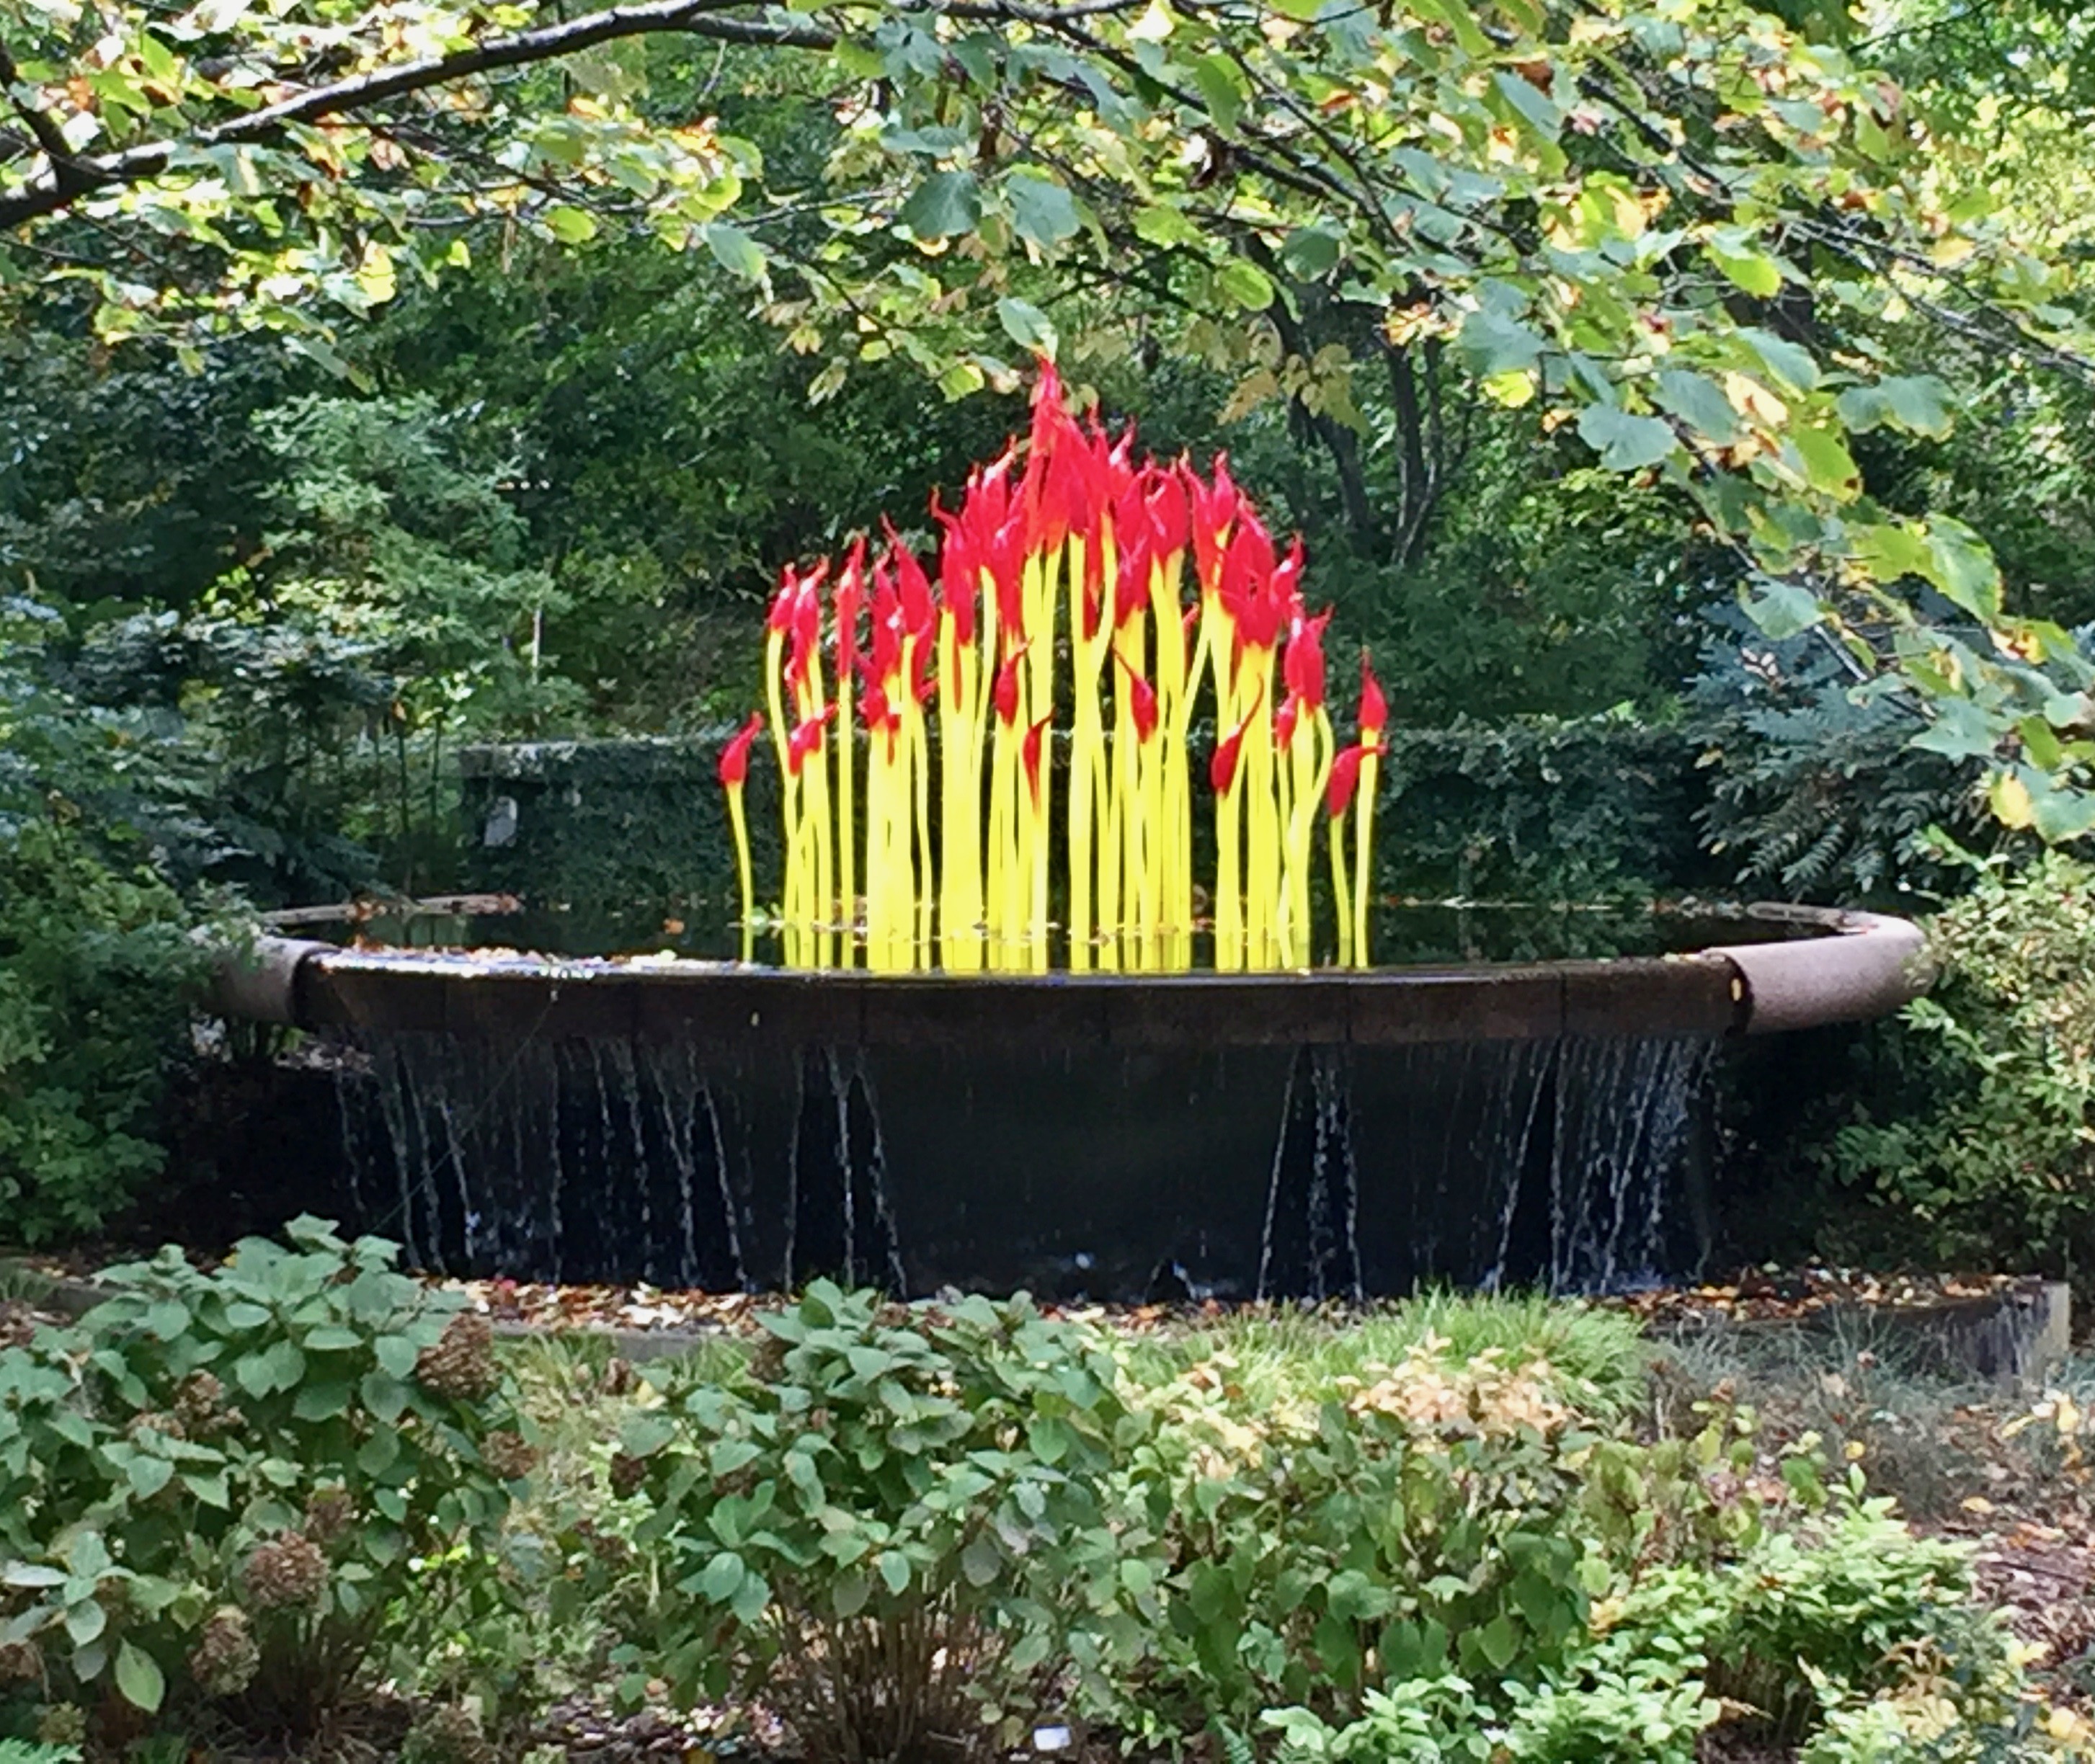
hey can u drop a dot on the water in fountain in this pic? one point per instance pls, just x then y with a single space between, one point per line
1313 1174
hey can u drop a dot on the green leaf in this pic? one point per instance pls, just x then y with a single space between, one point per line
734 250
753 1600
1530 103
1787 361
894 1568
1625 443
1041 210
287 1366
1027 325
1888 552
1919 402
138 1677
210 1490
945 205
1500 1639
85 1621
1782 608
1247 283
148 1474
386 1397
1048 1438
1161 225
1962 567
322 1402
397 1354
1311 252
1495 343
2059 815
2041 743
723 1577
981 1561
571 225
1828 466
31 1574
1960 730
1221 89
378 1453
1755 272
166 1319
1699 401
646 1433
331 1338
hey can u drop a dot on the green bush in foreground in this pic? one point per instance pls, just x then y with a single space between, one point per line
912 1530
896 1523
233 1488
905 1523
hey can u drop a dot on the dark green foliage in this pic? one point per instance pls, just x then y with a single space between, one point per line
1548 812
665 457
234 1487
96 975
607 824
1812 794
96 962
1968 1123
1539 811
124 479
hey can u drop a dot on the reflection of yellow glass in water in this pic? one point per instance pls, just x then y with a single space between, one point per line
1141 592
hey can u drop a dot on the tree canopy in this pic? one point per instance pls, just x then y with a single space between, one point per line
1728 252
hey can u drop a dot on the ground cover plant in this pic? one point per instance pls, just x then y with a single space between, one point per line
1453 1529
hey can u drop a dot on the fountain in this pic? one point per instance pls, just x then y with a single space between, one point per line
1046 1012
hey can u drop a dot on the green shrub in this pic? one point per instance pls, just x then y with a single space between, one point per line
233 1487
96 972
907 1530
893 1524
1972 1121
1851 1600
96 964
1443 1560
1415 1526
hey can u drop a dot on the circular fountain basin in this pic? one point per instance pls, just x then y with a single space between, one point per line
1326 1133
1815 965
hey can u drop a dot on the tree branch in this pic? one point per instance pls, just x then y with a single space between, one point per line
71 178
46 132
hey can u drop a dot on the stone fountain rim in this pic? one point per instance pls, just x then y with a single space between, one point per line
1859 965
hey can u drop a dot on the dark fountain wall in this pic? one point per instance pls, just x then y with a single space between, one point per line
1308 1173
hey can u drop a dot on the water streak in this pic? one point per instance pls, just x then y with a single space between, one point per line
1555 1163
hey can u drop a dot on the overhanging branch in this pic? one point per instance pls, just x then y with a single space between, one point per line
70 178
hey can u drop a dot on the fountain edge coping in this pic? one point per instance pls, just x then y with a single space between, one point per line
1867 965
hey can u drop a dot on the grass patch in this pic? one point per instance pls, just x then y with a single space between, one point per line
1597 1358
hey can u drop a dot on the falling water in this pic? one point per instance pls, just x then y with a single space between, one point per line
1312 1174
